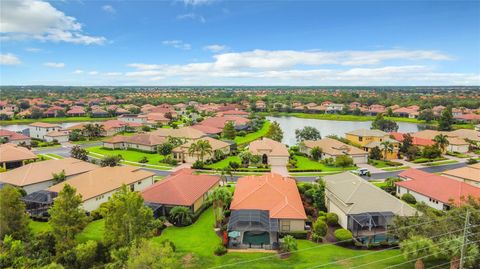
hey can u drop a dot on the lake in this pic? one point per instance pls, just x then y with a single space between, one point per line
21 127
330 127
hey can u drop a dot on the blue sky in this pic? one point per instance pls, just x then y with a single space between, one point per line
215 42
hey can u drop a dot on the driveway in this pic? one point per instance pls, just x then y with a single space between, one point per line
280 169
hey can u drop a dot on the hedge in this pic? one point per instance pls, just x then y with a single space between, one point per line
296 235
343 234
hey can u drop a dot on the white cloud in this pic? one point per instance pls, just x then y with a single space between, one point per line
197 2
33 50
36 19
215 48
9 59
93 73
54 65
112 74
78 71
191 16
109 9
178 44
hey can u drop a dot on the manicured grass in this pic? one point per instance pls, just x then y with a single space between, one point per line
379 183
395 168
93 231
128 154
44 157
39 227
52 120
383 163
54 156
440 163
224 163
253 136
313 174
304 163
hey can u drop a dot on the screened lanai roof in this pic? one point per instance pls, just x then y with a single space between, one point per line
367 219
40 197
252 220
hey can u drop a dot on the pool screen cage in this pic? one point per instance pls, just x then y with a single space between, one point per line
369 222
252 220
37 203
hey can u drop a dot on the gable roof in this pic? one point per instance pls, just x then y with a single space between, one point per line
275 148
38 172
12 136
180 188
471 172
437 187
11 153
368 132
354 195
43 125
207 129
219 122
466 134
334 147
103 180
273 192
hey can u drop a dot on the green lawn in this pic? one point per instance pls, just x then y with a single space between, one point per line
53 120
128 155
304 163
395 168
224 163
39 227
93 231
253 136
440 163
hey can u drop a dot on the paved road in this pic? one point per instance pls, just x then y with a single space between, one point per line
64 151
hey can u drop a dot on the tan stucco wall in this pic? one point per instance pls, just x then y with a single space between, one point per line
295 225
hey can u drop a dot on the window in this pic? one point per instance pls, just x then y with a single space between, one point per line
360 138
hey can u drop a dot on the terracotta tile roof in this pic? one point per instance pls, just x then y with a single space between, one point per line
43 125
233 112
274 148
471 172
103 180
334 147
368 132
12 153
38 172
219 122
76 110
184 132
12 136
273 192
466 134
428 134
415 140
181 188
57 133
457 141
440 188
207 129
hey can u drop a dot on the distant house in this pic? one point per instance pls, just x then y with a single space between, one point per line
417 141
406 112
133 118
13 137
39 130
437 191
145 142
271 151
38 176
262 207
53 111
98 185
12 156
240 123
59 136
469 174
456 143
99 113
369 139
332 148
181 153
362 208
186 133
76 111
373 110
181 188
236 113
209 130
334 108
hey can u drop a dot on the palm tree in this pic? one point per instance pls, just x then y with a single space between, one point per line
418 247
387 147
451 248
93 130
441 141
181 215
221 198
200 148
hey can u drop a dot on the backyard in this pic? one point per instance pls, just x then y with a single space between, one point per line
253 136
128 154
306 164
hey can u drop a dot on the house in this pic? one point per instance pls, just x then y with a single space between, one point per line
332 148
437 191
262 207
416 141
112 127
186 133
155 118
99 113
456 140
409 112
181 153
12 156
181 188
59 136
38 130
209 130
333 108
271 151
373 110
219 122
362 208
369 139
38 176
469 174
133 118
53 111
13 137
76 111
467 134
236 113
145 142
98 185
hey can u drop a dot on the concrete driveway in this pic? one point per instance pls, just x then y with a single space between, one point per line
280 169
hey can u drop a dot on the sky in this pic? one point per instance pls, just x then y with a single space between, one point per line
242 42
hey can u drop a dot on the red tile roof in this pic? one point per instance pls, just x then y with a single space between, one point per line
437 187
273 192
207 129
219 122
415 140
180 188
12 136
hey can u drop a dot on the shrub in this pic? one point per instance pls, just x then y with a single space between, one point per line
407 197
144 159
332 219
242 133
198 164
343 234
220 250
472 161
289 244
296 235
320 228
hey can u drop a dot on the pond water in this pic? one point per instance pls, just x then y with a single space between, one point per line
21 127
330 127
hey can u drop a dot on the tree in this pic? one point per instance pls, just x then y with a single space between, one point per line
316 153
221 198
127 219
390 186
147 254
385 125
275 132
200 149
245 157
181 216
375 153
446 120
93 130
111 160
75 135
320 228
426 115
406 143
165 149
307 133
59 177
67 219
13 219
229 130
289 244
175 141
387 147
86 254
416 248
343 161
79 153
451 248
431 152
441 141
